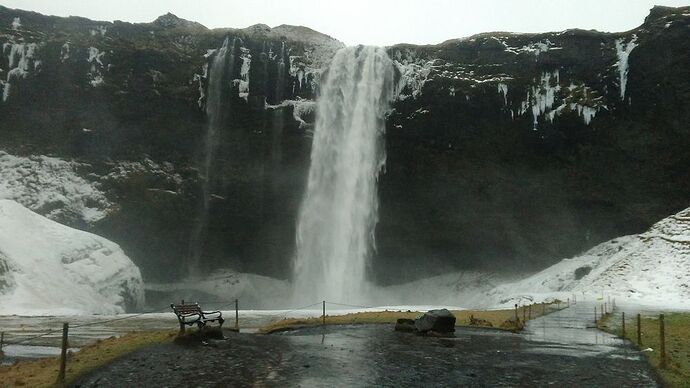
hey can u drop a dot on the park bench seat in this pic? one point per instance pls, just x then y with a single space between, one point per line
191 313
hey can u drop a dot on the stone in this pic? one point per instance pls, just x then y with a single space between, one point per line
437 321
404 324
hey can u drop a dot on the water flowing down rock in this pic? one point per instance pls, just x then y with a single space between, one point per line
220 72
335 232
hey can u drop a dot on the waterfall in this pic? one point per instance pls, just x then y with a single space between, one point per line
217 107
335 230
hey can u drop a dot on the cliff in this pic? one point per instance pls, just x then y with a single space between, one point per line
503 150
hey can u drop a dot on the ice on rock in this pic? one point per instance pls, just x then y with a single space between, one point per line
540 98
21 61
51 186
300 109
95 58
503 88
64 52
100 30
623 51
51 269
16 23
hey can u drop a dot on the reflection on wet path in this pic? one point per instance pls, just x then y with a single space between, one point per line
560 348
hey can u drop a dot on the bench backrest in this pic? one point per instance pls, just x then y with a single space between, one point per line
184 309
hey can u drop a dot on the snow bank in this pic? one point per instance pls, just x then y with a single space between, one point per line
652 268
51 187
50 269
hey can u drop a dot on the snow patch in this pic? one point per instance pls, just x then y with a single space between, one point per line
649 268
16 23
50 269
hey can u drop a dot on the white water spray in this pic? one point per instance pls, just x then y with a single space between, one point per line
335 231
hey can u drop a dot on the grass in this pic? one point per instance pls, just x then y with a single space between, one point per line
677 329
43 372
499 319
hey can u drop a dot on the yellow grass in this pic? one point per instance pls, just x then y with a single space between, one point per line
677 330
43 372
499 319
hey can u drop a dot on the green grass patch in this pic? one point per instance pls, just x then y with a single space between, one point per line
677 329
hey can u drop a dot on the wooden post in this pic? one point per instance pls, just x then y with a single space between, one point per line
324 314
63 354
595 315
568 302
662 339
530 312
623 324
2 341
237 314
639 330
524 313
182 327
517 319
543 308
601 313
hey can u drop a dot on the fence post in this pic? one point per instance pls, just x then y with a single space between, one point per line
568 302
623 324
530 312
324 314
2 341
595 315
63 354
639 330
524 313
237 314
662 339
517 319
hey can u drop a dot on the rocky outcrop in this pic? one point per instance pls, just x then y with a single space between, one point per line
435 321
501 148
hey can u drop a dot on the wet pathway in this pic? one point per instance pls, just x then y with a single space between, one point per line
556 349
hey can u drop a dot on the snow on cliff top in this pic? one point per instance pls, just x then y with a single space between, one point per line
50 269
652 268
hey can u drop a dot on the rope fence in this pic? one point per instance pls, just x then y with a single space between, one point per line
223 304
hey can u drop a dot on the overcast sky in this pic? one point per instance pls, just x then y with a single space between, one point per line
376 22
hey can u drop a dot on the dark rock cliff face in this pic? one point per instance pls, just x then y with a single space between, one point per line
504 151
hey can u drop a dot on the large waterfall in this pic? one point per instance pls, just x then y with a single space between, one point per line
335 231
217 99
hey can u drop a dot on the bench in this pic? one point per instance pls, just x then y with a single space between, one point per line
190 314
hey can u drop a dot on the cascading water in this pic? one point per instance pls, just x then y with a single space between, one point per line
217 99
335 231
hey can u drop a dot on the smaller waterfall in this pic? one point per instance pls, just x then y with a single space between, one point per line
335 231
217 110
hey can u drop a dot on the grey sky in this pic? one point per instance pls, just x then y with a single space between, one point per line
381 22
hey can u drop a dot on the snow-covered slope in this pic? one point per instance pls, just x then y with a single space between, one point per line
49 268
649 268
